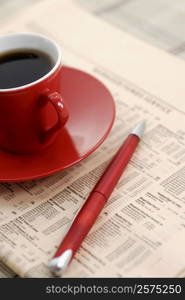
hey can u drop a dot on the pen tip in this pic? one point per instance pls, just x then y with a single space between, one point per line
59 264
139 129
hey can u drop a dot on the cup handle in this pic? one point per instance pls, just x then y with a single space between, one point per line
56 100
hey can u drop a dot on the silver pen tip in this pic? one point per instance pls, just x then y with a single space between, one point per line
139 129
59 264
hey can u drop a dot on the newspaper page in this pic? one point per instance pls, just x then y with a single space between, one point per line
161 23
10 8
141 231
5 272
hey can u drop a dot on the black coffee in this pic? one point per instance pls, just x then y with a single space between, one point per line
20 67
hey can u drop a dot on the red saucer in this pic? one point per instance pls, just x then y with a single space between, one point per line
92 111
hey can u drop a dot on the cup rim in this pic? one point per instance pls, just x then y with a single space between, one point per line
54 68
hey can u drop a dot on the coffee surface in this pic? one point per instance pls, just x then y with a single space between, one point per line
20 67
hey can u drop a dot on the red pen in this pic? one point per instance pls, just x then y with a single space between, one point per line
95 203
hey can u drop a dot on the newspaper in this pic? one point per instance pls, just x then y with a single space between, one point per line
5 272
10 8
161 23
141 231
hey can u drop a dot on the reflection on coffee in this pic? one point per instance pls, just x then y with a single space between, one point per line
22 66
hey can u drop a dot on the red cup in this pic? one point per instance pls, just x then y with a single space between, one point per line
32 115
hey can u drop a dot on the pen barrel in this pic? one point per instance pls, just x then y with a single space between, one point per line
82 223
98 197
113 172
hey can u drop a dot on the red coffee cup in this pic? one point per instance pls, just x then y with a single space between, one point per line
32 115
